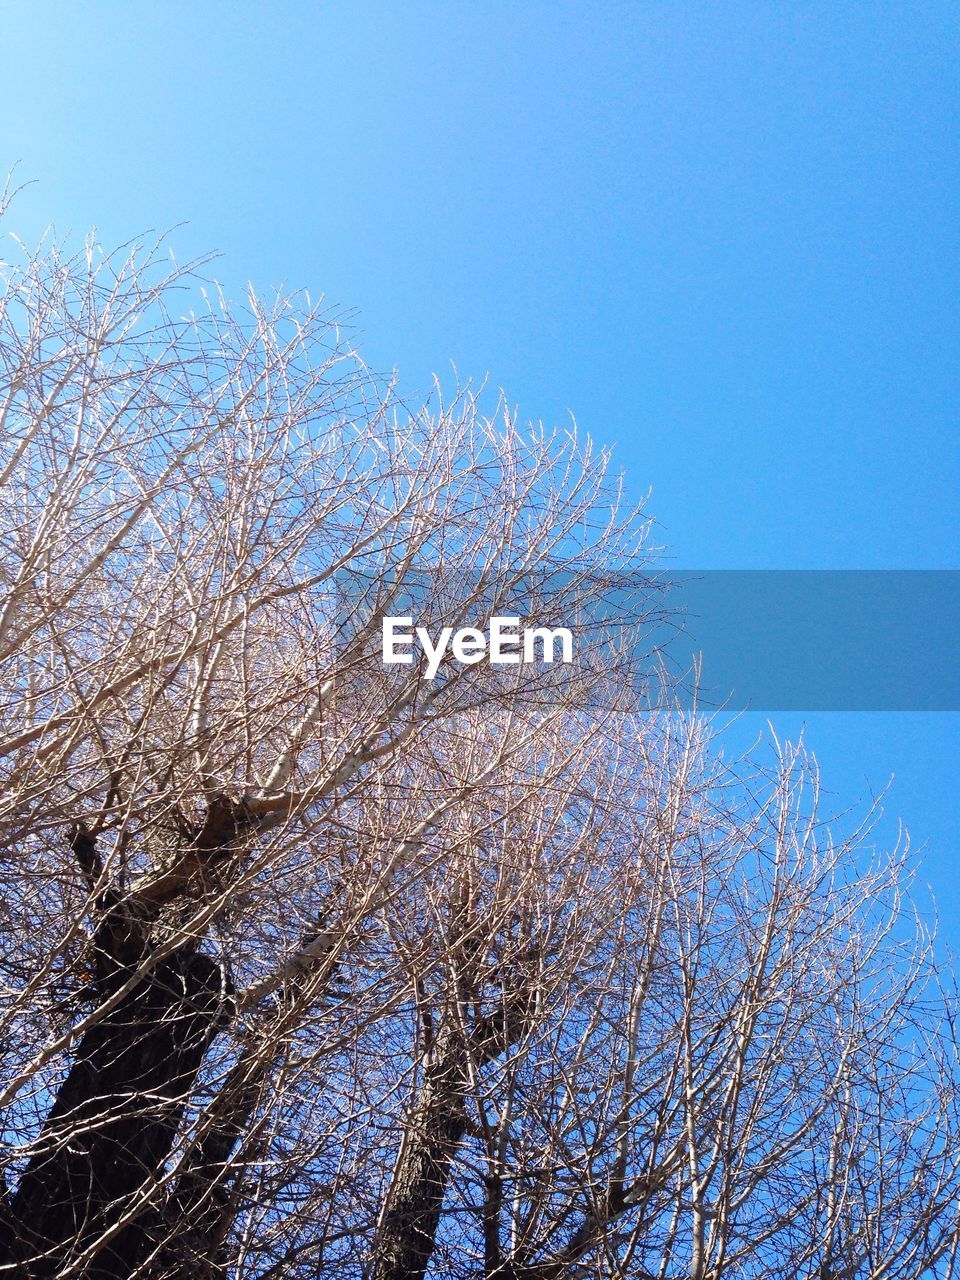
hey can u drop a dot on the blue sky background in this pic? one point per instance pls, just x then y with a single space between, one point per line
723 235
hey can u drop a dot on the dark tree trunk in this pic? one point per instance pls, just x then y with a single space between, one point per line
434 1132
113 1122
198 1216
407 1237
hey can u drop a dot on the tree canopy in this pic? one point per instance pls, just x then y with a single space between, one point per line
313 966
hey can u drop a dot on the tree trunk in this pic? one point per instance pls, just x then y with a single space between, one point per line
433 1134
199 1214
112 1125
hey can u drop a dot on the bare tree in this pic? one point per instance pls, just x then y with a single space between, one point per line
314 965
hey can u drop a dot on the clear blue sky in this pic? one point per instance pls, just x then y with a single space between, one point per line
724 235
